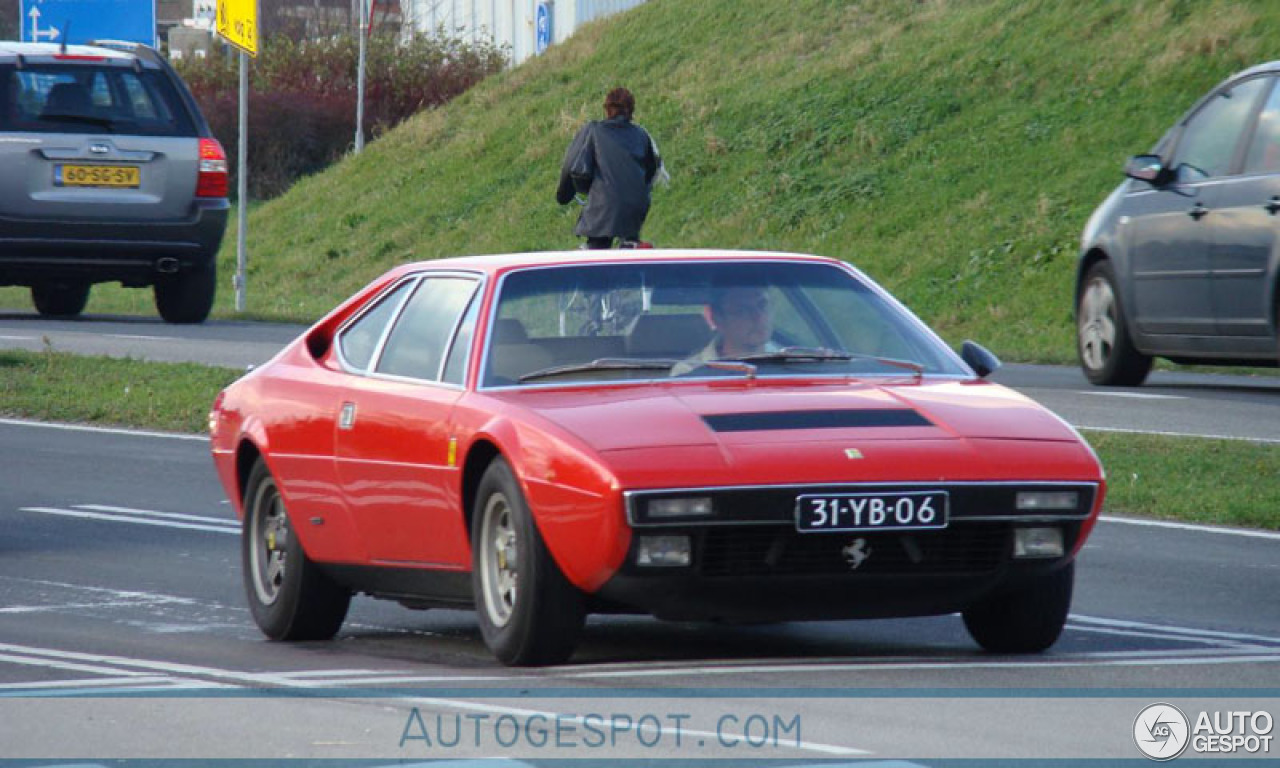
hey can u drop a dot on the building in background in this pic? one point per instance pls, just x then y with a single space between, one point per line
527 26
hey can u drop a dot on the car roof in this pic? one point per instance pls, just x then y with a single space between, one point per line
504 262
1270 66
52 52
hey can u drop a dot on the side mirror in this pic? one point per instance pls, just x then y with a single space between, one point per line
979 359
1148 168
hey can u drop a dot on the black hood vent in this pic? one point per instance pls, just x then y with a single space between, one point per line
775 420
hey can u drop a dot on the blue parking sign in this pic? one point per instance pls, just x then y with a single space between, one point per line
542 26
79 21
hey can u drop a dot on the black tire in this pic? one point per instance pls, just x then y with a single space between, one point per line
529 613
186 296
60 299
1105 348
289 596
1028 619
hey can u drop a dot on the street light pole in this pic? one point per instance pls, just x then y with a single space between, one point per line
364 23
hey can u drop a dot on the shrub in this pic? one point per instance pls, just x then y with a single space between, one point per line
302 96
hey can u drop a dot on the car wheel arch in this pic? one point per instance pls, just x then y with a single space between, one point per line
479 456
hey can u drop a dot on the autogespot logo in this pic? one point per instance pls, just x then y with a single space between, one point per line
1161 731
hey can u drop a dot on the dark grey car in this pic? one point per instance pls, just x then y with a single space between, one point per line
108 172
1180 261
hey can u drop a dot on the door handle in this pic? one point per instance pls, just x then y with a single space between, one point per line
347 419
1273 205
1197 212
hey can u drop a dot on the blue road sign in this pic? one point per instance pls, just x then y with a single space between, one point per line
79 21
542 25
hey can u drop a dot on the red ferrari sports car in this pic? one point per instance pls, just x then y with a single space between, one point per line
698 435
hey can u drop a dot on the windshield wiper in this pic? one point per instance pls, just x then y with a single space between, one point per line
603 364
69 118
819 355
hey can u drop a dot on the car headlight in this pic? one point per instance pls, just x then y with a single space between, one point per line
678 507
1042 501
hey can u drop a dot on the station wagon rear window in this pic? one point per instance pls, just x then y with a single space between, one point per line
101 99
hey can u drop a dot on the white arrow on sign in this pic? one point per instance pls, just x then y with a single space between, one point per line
36 31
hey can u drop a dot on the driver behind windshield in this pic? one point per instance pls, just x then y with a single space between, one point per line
742 317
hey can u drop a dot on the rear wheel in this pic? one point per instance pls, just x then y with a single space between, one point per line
1028 619
528 611
60 299
289 597
1107 354
186 296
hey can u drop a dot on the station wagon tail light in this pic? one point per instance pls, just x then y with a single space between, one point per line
212 181
679 507
1038 501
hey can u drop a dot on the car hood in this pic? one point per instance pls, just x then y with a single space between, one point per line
731 433
764 413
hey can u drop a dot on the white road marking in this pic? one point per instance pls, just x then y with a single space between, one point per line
18 338
234 531
153 513
1166 433
101 430
1198 528
1173 630
99 682
1133 395
140 337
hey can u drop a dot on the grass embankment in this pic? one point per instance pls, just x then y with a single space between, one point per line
1211 481
954 150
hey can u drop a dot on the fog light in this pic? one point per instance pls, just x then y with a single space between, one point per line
1037 542
663 551
687 506
1041 500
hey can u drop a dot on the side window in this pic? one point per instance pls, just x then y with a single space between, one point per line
1209 140
1264 149
418 339
455 369
358 341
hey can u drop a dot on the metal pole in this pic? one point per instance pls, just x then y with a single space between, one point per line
242 186
360 83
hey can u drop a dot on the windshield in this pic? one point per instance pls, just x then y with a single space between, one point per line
693 319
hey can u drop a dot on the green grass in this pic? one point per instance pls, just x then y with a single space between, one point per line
1199 480
952 149
1226 482
56 386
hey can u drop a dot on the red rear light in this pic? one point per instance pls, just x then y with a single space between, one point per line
212 181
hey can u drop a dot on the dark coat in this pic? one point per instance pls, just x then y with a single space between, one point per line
613 162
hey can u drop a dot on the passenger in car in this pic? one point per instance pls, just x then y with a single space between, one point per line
742 316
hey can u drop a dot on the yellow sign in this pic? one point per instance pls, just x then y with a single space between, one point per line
238 24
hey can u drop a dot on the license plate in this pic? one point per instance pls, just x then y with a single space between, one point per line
129 176
907 510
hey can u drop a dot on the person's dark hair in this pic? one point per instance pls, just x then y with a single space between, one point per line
619 102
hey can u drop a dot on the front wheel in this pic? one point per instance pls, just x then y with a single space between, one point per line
1107 354
289 597
529 613
1028 619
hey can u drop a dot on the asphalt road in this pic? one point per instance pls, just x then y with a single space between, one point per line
1172 402
124 634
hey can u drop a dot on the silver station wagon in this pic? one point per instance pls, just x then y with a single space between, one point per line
108 172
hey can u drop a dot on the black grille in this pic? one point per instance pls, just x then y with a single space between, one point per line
774 551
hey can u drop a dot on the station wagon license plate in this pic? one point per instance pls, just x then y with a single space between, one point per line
126 176
908 510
